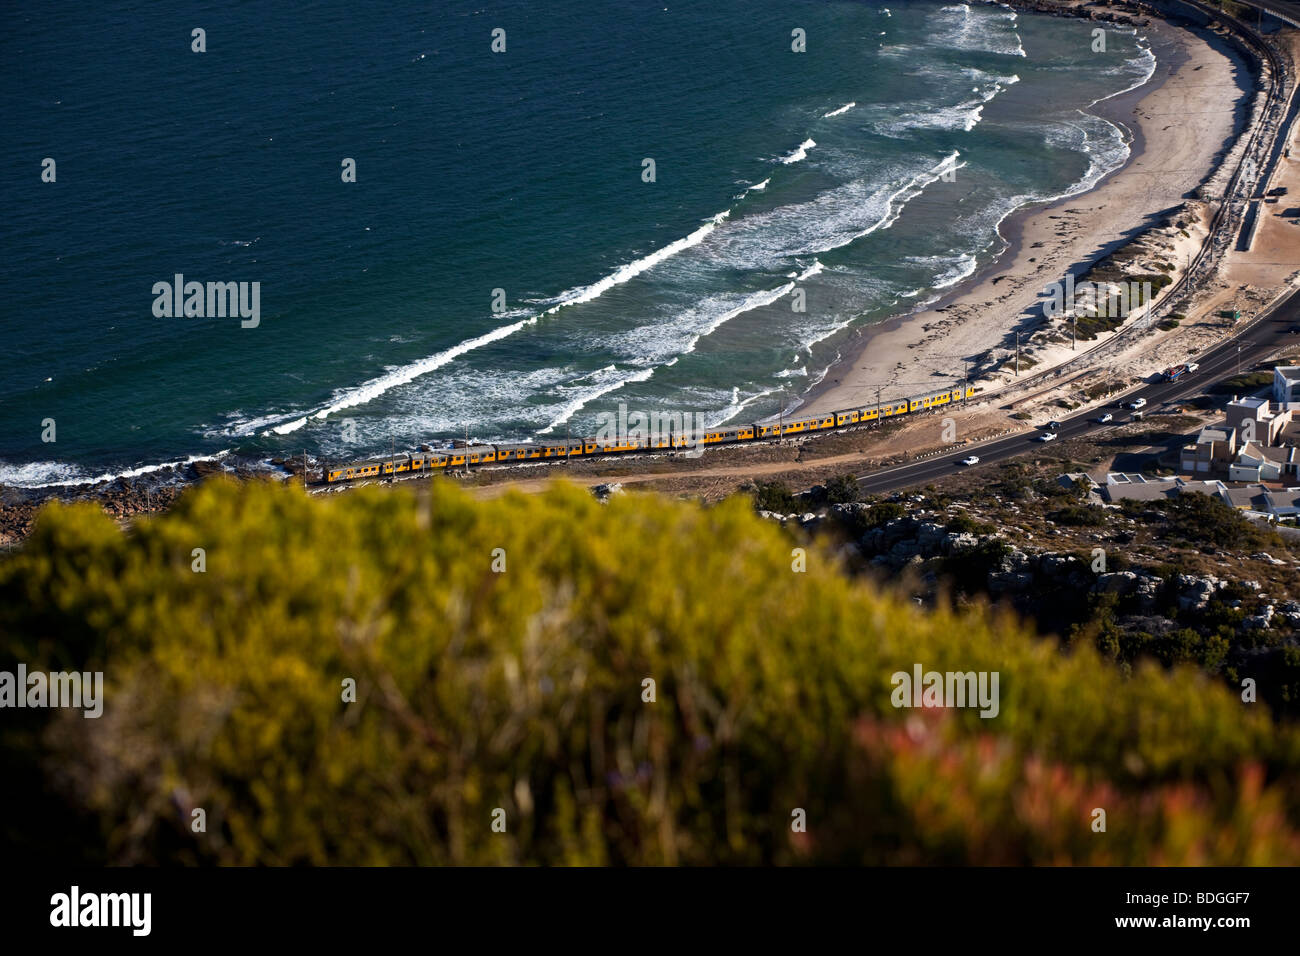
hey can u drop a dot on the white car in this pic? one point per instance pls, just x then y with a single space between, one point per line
1192 367
1047 436
971 460
1105 418
1137 403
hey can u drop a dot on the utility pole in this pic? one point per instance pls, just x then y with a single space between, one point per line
467 448
304 470
1238 358
568 438
392 461
1017 354
780 428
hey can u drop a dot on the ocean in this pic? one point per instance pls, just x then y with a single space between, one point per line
504 265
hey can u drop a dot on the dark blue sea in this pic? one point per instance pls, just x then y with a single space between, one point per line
781 179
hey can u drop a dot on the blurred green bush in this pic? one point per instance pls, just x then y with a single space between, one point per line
522 689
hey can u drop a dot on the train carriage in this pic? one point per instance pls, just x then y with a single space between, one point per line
677 439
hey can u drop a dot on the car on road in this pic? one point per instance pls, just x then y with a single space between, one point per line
1192 367
1047 436
1053 425
1108 417
971 460
1137 403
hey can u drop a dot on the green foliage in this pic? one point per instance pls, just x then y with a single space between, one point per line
969 569
1244 383
522 690
964 524
843 489
1203 519
1082 516
861 520
1183 646
882 511
774 496
1096 391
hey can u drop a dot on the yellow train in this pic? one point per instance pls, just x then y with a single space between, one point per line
444 458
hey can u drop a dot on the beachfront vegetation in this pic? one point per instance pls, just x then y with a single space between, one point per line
1244 384
842 489
774 496
501 652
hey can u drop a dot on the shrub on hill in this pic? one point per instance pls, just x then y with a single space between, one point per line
501 651
774 496
843 489
1203 519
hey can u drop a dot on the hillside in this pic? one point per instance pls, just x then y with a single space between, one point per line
520 688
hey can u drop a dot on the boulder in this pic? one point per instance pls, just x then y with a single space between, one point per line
1147 592
956 542
1118 582
1013 582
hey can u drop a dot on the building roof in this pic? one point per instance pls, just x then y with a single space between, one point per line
1254 497
1281 454
1254 403
1143 490
1211 433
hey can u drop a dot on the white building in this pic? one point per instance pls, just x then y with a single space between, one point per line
1286 386
1257 462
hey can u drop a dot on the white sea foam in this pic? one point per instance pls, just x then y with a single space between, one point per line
703 323
895 51
964 116
633 269
369 391
284 424
57 474
663 343
1141 67
799 154
952 268
604 384
759 187
843 109
835 218
811 271
961 28
40 474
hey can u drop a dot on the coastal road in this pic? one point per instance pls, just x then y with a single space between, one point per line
1286 11
1266 335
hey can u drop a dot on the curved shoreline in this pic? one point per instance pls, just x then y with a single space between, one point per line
1169 42
894 341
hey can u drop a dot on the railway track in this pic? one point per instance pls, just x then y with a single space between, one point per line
1263 142
1229 216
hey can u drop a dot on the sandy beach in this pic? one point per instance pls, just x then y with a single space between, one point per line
1182 122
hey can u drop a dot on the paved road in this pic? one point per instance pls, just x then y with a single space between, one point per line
1286 9
1219 363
